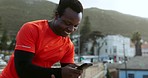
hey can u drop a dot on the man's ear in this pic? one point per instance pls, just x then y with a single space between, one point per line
56 15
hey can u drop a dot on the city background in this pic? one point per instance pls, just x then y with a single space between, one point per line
115 42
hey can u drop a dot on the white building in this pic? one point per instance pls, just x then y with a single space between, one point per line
144 48
115 47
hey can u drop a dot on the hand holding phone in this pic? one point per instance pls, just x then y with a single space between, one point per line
84 66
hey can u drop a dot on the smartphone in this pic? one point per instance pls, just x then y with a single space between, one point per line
84 66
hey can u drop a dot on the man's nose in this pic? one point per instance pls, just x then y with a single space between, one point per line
71 28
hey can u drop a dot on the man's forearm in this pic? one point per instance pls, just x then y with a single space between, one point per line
26 69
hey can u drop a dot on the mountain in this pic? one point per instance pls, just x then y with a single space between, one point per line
14 13
112 22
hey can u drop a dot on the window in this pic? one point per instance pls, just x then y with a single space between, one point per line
98 44
131 76
106 50
145 76
115 49
105 43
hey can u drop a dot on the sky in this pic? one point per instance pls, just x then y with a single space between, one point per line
131 7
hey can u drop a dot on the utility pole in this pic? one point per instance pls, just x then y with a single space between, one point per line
125 59
79 55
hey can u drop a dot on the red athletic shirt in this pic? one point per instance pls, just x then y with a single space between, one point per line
49 48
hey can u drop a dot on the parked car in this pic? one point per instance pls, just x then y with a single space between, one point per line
2 62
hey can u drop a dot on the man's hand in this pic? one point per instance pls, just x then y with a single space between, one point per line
52 76
70 71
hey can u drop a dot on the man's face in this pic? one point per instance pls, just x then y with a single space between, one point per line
67 23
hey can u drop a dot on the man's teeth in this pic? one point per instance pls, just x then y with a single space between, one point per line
67 32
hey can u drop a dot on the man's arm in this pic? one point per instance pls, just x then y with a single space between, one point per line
64 64
25 68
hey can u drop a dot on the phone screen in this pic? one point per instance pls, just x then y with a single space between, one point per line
84 66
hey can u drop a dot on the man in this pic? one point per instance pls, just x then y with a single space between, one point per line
41 43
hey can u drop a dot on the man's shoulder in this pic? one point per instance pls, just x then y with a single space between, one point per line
38 21
36 24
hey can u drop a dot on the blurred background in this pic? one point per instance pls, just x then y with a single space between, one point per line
113 34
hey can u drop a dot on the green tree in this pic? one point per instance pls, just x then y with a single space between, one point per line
84 32
85 29
0 22
4 40
108 75
12 44
136 39
94 35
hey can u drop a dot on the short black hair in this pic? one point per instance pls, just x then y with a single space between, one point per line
75 5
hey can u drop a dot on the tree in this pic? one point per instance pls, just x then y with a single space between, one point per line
94 35
108 75
136 39
12 44
85 29
4 40
0 22
84 32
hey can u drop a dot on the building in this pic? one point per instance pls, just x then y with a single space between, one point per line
116 47
111 47
136 67
144 48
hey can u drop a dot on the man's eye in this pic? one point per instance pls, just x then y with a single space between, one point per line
67 23
75 25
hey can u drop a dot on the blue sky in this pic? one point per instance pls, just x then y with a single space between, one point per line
132 7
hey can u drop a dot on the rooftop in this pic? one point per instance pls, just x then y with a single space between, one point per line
136 63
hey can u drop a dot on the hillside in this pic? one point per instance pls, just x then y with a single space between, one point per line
14 13
112 22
